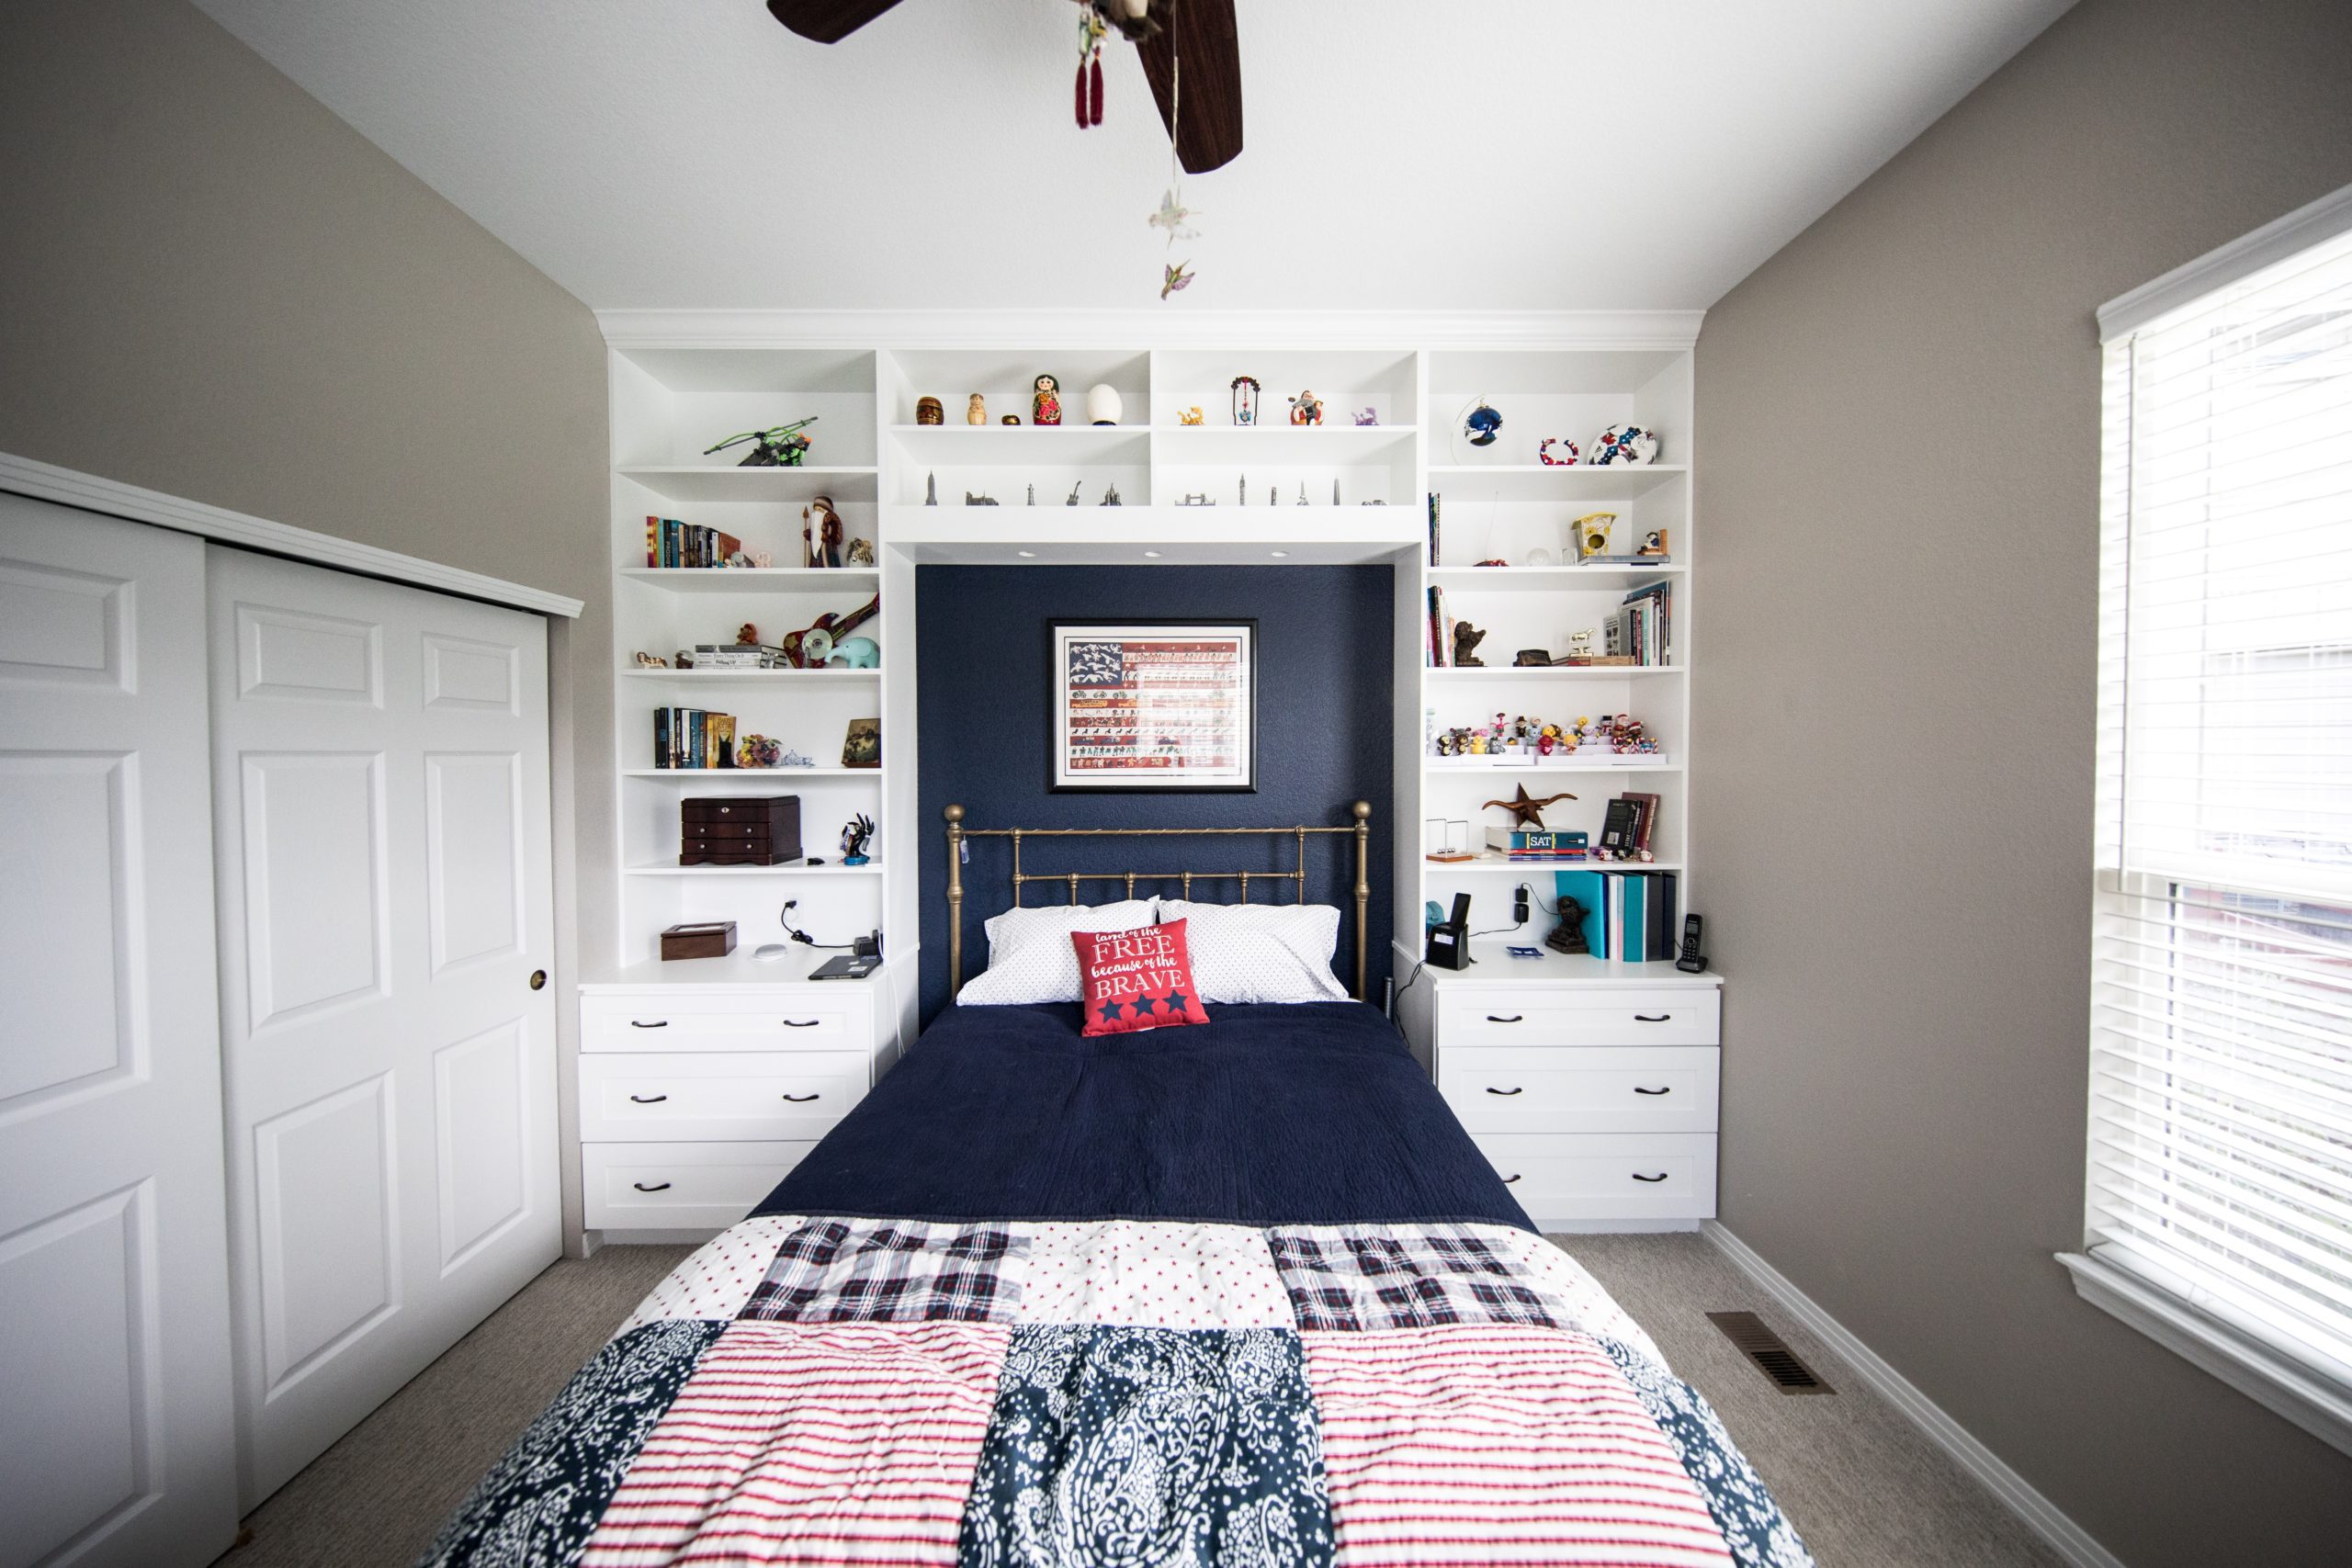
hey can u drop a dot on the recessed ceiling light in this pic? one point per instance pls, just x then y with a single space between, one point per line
1026 554
1151 555
1279 555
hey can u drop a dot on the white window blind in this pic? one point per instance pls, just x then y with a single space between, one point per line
2220 1109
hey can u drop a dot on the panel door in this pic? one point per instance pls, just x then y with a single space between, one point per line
116 1417
380 809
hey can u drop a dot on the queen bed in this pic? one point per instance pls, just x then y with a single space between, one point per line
1241 1292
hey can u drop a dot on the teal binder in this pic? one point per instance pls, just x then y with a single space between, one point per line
1634 939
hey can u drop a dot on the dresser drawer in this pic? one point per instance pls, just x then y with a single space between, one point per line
790 1018
679 1185
742 1095
1602 1088
1564 1176
1664 1015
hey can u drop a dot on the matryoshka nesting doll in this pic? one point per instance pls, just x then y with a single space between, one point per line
1045 404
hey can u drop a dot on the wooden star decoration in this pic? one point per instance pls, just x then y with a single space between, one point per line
1529 813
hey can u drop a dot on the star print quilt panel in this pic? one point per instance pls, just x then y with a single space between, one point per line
819 1389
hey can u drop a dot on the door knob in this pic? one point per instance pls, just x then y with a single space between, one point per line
539 979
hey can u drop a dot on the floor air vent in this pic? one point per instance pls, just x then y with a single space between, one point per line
1768 1351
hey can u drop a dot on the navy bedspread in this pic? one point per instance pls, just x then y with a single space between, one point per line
1309 1114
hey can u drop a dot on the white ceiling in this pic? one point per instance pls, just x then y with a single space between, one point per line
1400 153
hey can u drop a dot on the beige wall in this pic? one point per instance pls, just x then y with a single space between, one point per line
209 286
1899 417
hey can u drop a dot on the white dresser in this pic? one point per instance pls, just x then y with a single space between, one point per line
1593 1094
703 1081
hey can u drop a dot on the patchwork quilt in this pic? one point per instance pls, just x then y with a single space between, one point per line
821 1389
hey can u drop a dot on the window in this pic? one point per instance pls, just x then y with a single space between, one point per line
2219 1203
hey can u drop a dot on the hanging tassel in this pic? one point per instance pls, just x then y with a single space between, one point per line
1096 70
1081 95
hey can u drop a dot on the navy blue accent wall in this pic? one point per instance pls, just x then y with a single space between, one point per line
1323 737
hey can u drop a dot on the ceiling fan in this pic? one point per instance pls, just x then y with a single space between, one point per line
1198 33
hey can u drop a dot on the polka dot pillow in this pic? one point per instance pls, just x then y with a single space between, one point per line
1030 958
1261 952
1136 980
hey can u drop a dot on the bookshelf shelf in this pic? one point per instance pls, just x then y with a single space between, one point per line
756 579
756 677
763 775
872 868
1521 770
991 445
1577 483
1548 578
1552 672
704 482
1500 863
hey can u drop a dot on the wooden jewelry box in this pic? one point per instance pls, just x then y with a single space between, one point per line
762 830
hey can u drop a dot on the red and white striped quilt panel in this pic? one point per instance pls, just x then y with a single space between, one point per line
809 1444
1496 1445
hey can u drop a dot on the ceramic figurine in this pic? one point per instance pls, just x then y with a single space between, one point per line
1306 409
1569 450
1627 444
855 835
928 411
820 532
930 489
1366 417
1245 400
971 500
1190 416
1008 419
855 653
651 661
1547 740
747 635
1110 497
1481 423
861 552
1103 404
782 447
1653 542
1046 402
976 411
1466 639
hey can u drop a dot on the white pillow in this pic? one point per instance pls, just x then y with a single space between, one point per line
1260 953
1031 958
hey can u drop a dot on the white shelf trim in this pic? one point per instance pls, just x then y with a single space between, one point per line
93 492
2045 1518
1265 332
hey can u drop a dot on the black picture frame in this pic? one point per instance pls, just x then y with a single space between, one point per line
1239 777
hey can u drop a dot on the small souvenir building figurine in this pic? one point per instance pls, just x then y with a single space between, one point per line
1306 409
1245 400
976 411
1046 402
1190 416
928 411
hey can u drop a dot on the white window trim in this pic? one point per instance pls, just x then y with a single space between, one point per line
2168 1311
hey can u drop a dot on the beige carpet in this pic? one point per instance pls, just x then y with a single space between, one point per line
1865 1489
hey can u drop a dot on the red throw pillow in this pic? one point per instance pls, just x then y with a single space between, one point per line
1138 979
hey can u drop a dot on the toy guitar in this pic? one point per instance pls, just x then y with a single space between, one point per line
810 648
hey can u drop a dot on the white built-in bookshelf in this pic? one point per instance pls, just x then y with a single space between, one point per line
675 392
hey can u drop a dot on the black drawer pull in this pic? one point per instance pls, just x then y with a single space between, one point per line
802 1098
1652 1017
1659 1177
1511 1178
640 1023
657 1187
647 1098
1491 1090
1639 1089
802 1022
1515 1018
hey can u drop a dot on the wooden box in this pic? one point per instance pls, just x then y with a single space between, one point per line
710 939
760 829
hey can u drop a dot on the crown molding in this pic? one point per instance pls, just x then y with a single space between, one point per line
1650 331
93 492
2298 231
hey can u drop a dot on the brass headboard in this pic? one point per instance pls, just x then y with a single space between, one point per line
1296 875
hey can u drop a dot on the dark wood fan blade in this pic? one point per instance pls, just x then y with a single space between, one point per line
826 21
1200 33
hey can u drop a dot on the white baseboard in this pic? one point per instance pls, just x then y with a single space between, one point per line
2067 1537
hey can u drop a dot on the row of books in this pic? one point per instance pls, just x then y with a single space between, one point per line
1642 627
1627 821
1525 844
1628 914
670 543
690 738
738 655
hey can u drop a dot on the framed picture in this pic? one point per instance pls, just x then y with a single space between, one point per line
1166 705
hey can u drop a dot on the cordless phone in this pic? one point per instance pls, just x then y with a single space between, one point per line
1693 961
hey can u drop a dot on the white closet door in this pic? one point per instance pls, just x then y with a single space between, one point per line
116 1419
380 807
